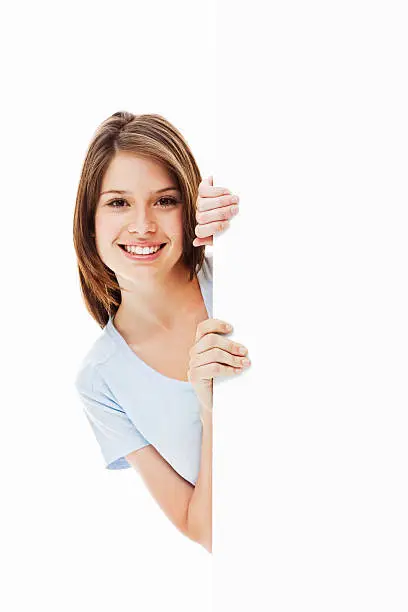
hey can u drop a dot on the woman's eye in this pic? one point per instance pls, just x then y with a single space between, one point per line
164 202
112 204
170 202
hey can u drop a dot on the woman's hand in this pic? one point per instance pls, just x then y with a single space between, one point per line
213 355
215 206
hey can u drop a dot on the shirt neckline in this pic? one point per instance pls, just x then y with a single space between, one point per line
113 332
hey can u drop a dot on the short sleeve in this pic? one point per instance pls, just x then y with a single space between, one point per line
116 434
205 278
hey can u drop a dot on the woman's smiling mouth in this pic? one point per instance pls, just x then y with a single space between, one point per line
142 253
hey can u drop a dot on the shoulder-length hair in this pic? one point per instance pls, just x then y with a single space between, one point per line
152 136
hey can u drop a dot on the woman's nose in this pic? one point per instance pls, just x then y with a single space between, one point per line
141 228
141 223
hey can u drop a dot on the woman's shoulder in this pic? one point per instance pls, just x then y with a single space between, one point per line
207 267
98 354
205 278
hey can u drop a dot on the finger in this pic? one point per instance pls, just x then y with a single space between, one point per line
209 229
216 202
203 241
215 340
217 214
212 325
212 370
218 355
207 190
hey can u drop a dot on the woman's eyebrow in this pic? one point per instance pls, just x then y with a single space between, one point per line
121 191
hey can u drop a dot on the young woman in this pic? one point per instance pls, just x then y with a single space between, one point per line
142 220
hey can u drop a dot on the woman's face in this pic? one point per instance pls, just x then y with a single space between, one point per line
139 203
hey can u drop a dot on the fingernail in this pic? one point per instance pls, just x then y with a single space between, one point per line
234 210
234 199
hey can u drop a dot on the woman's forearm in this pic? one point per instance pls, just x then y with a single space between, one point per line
199 516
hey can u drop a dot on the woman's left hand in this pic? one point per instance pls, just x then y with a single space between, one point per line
215 206
213 355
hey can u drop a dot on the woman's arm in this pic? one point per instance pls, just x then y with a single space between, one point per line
199 516
170 490
189 508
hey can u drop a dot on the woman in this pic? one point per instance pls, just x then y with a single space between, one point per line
147 382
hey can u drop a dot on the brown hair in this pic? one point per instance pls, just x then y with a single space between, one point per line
151 136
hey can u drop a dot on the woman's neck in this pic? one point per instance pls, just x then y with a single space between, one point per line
158 306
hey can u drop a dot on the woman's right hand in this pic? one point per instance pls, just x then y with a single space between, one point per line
213 355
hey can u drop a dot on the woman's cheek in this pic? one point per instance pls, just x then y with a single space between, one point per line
177 225
106 233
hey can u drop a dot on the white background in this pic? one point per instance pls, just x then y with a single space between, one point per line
76 536
305 108
310 448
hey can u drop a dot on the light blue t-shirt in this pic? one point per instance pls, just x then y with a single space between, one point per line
130 405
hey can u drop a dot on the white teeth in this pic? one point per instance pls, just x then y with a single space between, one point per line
141 250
